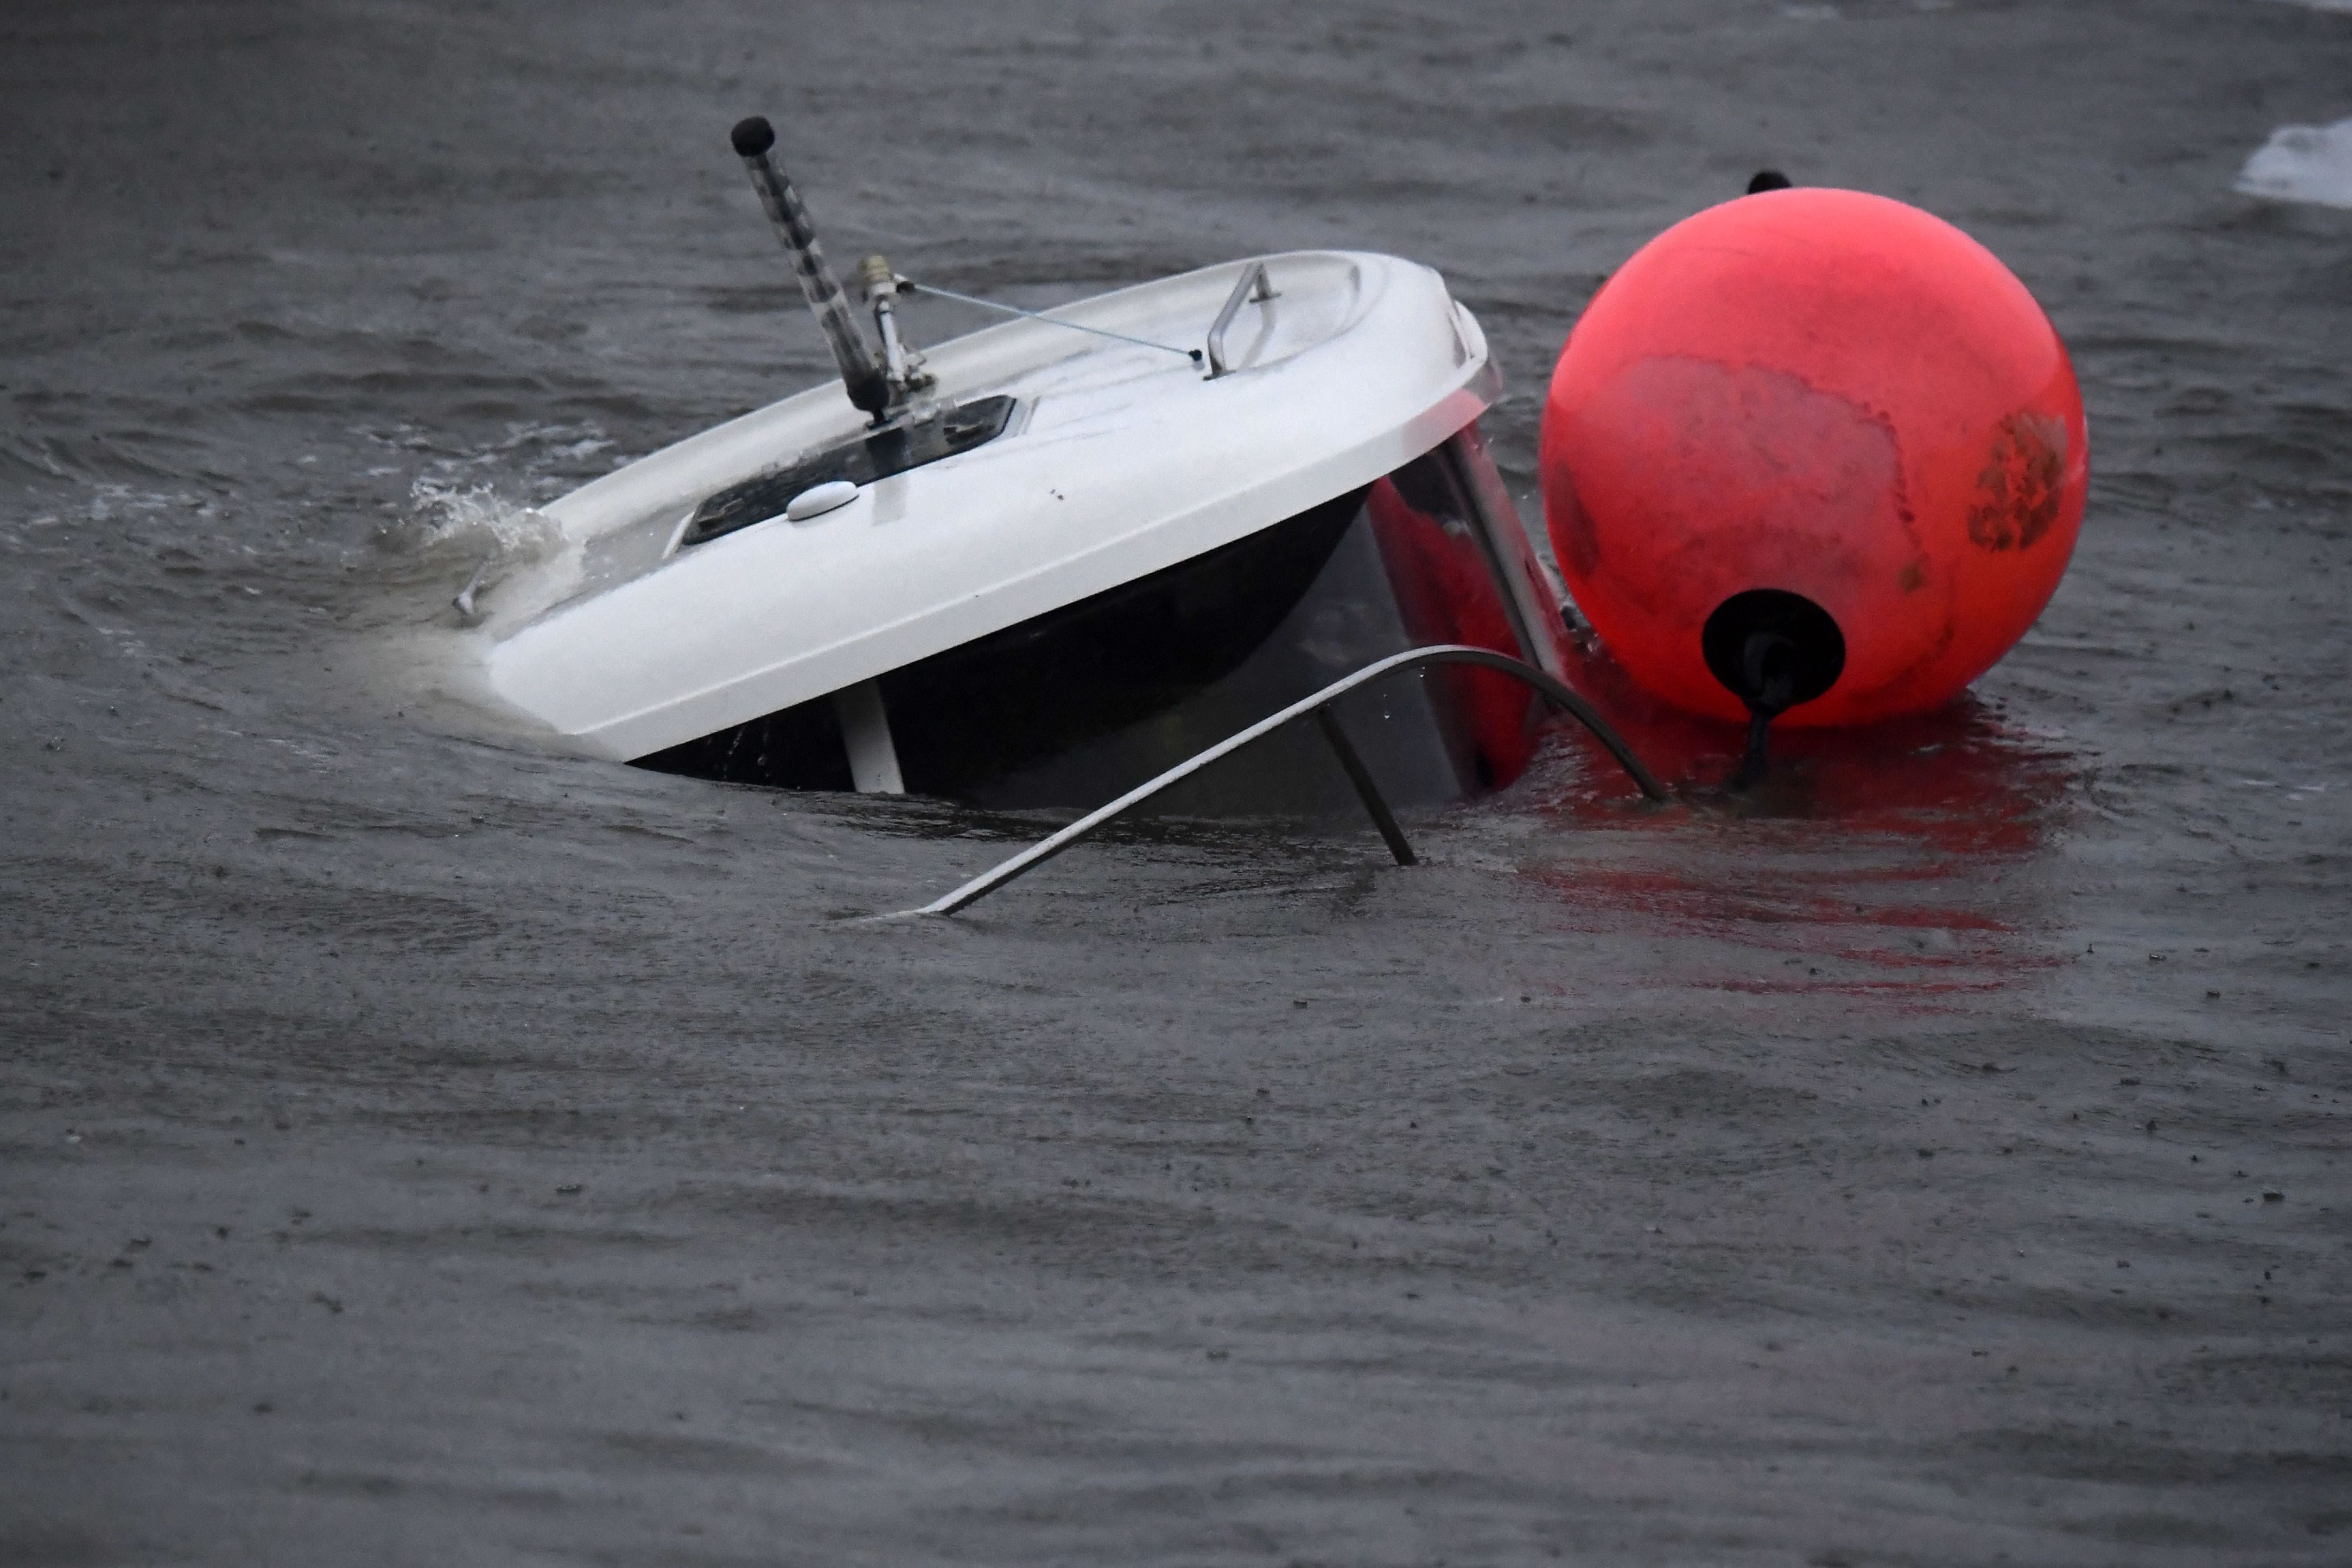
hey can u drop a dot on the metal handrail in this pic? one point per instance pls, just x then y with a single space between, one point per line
1253 284
1552 690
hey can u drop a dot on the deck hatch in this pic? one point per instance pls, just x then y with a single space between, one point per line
875 454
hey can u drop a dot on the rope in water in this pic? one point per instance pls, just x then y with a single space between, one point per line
914 288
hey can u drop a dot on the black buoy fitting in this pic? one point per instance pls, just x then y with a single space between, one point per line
1768 180
1772 650
752 137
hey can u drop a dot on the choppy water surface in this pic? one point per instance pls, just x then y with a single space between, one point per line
422 1148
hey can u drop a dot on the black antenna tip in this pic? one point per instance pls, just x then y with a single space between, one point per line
1765 180
752 137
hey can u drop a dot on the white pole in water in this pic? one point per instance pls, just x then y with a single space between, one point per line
865 731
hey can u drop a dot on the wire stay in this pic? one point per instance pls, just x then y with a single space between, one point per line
912 286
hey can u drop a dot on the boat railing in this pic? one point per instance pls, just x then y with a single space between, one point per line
1548 688
1253 284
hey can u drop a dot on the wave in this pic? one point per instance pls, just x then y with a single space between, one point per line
2304 163
448 523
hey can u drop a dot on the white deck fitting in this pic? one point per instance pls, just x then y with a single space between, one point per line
1120 461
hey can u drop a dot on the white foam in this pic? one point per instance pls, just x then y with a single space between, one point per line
448 523
2344 5
2304 163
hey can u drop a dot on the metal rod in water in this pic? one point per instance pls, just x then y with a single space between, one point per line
869 388
1550 688
1368 791
911 287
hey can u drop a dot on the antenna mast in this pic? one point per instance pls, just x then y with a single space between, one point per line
862 374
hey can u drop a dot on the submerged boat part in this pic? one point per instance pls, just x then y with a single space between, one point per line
1044 562
1173 524
1318 706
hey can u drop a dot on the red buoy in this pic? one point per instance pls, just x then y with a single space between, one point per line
1812 447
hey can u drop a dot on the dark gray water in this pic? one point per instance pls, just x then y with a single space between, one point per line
419 1149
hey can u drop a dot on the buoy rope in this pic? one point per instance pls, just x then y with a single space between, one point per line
914 288
1767 685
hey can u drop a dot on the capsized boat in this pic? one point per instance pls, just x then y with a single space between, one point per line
1040 563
